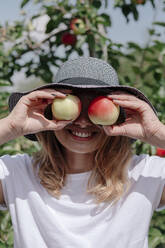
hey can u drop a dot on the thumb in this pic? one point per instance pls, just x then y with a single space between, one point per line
57 125
114 130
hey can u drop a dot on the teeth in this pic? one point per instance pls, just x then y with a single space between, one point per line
83 135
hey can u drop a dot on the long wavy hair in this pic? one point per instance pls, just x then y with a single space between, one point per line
108 180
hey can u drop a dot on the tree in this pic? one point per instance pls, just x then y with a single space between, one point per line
77 28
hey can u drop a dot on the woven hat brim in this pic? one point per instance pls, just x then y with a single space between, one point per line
81 83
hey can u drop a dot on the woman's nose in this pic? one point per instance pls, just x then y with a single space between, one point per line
83 119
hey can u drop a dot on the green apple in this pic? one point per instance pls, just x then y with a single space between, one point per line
67 108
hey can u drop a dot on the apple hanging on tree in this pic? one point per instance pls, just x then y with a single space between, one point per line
69 39
140 1
78 26
160 152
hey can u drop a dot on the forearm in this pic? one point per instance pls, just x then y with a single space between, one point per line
6 131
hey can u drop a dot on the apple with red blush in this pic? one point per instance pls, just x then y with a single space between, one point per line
102 111
160 152
67 108
78 26
140 1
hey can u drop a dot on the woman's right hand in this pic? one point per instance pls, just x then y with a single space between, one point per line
27 117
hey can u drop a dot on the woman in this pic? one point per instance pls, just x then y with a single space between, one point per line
84 188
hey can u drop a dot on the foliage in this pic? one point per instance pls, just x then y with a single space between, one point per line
22 47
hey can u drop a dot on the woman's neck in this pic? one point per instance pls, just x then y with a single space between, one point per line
78 162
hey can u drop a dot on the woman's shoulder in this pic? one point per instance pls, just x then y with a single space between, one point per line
19 157
17 161
148 165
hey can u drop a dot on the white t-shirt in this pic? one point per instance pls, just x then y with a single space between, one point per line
41 221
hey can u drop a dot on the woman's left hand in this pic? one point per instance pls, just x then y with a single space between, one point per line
141 121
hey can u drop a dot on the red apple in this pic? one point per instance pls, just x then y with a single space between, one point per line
140 1
78 26
103 111
160 152
67 108
68 39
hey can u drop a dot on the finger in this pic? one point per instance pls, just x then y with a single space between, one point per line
114 130
43 102
45 94
56 93
124 100
57 125
119 93
123 97
139 106
37 96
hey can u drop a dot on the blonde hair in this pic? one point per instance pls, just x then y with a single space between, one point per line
109 177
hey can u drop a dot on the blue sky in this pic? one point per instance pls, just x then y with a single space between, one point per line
120 31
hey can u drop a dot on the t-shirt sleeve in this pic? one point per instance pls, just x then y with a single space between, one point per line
162 185
158 163
149 172
12 168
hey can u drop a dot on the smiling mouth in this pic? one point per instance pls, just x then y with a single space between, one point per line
82 135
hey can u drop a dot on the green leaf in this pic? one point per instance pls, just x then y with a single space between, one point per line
151 31
91 42
127 79
157 76
96 4
24 2
80 52
136 69
126 11
107 19
10 238
151 68
51 25
4 84
52 11
4 222
159 23
153 4
160 46
135 12
130 57
134 46
2 245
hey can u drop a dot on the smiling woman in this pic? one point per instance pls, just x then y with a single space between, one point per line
85 181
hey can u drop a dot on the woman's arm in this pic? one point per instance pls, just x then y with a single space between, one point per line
27 117
7 133
141 123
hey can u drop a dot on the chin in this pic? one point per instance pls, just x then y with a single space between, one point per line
80 145
80 151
